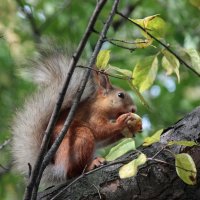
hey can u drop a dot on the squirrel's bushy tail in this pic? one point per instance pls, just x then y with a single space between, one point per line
30 122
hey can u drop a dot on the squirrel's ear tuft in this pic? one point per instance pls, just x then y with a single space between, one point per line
102 81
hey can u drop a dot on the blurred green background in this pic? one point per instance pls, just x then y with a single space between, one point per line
63 22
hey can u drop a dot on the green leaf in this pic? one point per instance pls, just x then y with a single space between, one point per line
145 72
170 63
154 24
153 139
131 168
185 168
125 72
145 21
120 149
103 59
195 59
183 143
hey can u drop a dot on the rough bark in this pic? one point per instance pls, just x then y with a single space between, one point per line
154 180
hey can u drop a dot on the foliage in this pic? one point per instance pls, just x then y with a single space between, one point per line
60 20
152 139
120 149
185 168
184 163
131 168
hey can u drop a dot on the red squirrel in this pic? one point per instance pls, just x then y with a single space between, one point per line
100 119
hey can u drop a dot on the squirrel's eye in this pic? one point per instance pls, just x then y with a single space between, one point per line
121 95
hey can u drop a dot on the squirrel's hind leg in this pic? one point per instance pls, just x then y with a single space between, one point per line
81 150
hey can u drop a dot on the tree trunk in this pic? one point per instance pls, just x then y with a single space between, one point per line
154 180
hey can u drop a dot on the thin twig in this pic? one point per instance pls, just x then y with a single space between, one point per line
37 172
157 153
97 190
127 42
164 162
121 46
170 152
111 41
103 72
160 42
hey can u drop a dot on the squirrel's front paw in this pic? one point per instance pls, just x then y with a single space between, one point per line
123 119
134 125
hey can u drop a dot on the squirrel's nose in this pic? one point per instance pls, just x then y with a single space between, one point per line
133 109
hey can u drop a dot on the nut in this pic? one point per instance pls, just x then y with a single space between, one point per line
134 125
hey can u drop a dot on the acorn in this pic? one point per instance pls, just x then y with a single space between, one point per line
134 125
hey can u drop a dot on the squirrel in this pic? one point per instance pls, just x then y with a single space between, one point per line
101 117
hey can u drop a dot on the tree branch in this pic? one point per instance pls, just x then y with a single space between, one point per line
156 180
58 140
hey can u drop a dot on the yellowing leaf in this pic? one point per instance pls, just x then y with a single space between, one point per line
128 170
140 43
141 160
185 168
153 139
157 27
103 59
144 22
131 168
120 149
145 72
170 63
183 143
154 24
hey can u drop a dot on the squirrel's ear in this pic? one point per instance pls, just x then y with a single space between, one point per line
102 80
